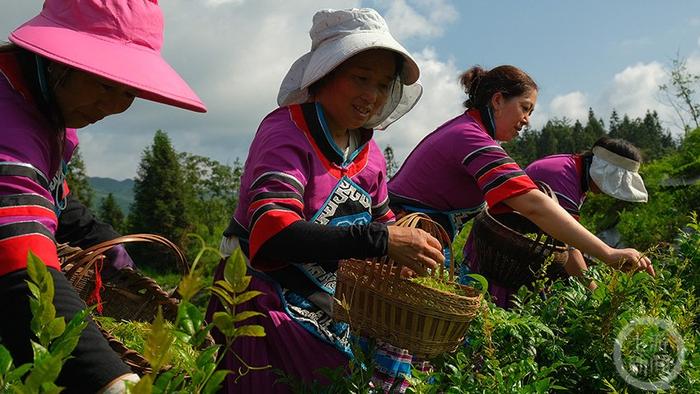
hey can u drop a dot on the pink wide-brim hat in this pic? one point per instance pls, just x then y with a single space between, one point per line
119 40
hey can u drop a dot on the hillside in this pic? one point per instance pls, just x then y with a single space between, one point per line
123 191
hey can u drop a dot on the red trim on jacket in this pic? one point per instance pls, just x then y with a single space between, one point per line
14 252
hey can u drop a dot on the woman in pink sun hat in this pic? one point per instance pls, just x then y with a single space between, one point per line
75 63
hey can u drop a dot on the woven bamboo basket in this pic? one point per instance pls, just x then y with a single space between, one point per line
509 258
129 295
383 305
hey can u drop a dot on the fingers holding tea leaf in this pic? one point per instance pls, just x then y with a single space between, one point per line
414 248
632 260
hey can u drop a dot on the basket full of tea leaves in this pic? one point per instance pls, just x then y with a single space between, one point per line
427 316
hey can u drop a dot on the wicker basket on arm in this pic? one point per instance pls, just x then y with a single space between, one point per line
383 305
128 295
508 257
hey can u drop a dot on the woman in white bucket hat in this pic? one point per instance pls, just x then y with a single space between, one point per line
72 65
313 192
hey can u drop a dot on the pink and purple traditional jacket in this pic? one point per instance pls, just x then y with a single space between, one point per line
296 172
32 174
455 172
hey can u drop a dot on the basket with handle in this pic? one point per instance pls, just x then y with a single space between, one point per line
507 256
128 295
378 303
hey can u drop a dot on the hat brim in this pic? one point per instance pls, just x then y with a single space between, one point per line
617 182
130 64
333 53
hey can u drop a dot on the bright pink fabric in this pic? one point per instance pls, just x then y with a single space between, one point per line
119 40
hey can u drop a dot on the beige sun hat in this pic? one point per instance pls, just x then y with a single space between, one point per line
336 36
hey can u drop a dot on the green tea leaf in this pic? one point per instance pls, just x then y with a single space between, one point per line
46 369
198 338
250 331
247 296
56 327
214 383
207 355
190 285
224 322
223 295
225 285
245 315
64 344
483 282
242 284
158 342
143 386
16 374
5 360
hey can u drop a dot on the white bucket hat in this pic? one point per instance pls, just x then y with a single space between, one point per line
617 176
336 36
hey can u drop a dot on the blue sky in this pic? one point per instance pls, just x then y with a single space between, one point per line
234 53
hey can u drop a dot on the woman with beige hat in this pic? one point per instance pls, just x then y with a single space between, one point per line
313 192
72 65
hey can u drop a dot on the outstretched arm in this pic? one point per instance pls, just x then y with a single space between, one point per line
555 221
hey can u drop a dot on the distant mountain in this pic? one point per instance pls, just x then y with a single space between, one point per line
123 191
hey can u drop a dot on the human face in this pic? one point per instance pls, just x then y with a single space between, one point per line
512 114
357 89
85 98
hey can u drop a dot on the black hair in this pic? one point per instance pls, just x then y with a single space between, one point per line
618 146
480 84
45 104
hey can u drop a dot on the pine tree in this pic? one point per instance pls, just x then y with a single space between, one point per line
593 130
159 205
78 182
111 213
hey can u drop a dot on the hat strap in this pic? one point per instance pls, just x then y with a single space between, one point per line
615 159
41 77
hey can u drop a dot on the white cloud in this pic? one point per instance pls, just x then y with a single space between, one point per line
235 65
442 100
234 54
216 3
573 106
635 89
421 18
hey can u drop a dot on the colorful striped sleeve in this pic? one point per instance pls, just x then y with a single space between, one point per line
497 175
276 175
27 218
277 202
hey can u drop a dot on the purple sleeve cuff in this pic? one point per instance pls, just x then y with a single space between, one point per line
118 258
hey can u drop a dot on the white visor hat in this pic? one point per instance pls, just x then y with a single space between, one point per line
617 176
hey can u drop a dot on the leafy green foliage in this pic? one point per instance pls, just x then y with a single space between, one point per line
197 369
56 340
563 338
